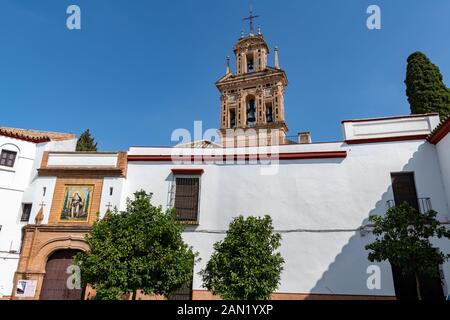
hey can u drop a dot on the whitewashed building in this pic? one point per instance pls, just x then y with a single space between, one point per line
320 195
21 154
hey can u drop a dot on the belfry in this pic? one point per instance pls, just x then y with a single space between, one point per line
252 98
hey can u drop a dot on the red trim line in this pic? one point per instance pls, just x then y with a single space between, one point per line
280 156
188 171
388 139
392 118
223 147
440 132
324 295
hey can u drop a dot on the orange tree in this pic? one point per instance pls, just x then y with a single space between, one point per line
246 264
403 238
140 248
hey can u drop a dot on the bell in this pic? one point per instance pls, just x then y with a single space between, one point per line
269 115
251 117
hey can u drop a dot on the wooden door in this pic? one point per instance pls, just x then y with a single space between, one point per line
54 286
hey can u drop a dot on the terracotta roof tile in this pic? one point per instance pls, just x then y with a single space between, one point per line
440 131
36 136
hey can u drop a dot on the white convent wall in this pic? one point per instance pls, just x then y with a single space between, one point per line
315 194
114 200
443 149
389 127
82 160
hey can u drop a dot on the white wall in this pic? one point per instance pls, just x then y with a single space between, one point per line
35 195
443 149
82 159
116 199
318 195
17 186
13 183
389 127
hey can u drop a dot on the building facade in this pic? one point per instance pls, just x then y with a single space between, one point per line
21 154
319 195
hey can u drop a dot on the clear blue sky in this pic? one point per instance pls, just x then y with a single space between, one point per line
139 69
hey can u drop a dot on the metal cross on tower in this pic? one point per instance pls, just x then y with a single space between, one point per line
250 18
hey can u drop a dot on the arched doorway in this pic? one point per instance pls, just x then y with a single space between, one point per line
54 286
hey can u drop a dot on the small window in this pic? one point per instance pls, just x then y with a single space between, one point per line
26 211
8 158
232 118
186 198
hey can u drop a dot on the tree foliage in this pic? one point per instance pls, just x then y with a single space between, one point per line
86 142
245 265
425 87
403 238
137 249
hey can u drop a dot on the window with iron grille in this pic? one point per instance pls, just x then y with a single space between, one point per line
7 158
184 293
186 198
26 211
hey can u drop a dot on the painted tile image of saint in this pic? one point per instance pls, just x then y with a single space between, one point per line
77 200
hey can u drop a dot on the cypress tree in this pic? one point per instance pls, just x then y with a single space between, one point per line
86 142
425 87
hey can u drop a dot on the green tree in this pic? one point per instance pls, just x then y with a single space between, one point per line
425 87
137 249
403 238
86 142
245 265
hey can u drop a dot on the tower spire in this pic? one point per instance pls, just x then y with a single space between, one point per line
228 66
277 62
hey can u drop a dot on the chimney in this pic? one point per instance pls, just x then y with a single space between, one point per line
304 137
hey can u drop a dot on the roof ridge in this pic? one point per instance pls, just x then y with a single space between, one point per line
440 131
36 130
36 136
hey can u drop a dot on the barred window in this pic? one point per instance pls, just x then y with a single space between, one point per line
184 293
7 158
186 198
26 211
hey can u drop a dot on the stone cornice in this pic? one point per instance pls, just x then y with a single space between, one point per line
77 228
253 79
86 172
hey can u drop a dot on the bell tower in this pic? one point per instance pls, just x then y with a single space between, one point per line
252 98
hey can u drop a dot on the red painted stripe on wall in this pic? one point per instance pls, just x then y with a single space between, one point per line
279 156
